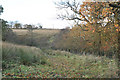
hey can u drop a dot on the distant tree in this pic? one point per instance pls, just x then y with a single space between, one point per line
1 9
11 24
40 26
18 25
30 31
4 29
25 26
7 33
29 27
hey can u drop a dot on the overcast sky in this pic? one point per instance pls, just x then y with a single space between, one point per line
33 12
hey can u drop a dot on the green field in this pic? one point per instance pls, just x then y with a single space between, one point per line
20 61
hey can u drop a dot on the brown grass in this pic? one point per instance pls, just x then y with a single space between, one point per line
37 31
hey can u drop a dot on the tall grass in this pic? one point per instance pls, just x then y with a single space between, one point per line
21 54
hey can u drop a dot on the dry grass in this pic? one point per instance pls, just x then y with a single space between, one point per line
39 31
20 31
20 53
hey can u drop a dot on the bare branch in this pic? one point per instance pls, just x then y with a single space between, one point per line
115 5
74 6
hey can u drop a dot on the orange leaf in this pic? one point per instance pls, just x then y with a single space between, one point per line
117 30
116 25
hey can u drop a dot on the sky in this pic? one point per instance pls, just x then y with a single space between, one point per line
33 12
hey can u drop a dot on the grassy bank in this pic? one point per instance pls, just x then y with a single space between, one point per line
24 61
42 38
19 54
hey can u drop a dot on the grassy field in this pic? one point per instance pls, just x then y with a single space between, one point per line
43 32
41 38
25 62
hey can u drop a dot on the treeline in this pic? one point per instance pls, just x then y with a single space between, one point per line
17 25
80 41
97 27
31 38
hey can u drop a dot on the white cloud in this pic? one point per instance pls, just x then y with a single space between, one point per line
32 12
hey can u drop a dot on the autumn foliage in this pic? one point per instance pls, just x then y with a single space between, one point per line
98 31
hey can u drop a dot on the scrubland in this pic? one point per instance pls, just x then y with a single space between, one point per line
21 61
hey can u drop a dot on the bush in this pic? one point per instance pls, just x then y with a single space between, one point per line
21 54
7 33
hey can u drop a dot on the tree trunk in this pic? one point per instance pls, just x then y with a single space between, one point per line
118 47
118 52
99 44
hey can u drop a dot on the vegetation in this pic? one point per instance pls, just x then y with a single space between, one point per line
89 50
76 40
7 33
1 9
20 54
98 26
24 61
42 38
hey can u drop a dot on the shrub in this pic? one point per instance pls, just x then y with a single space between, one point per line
21 54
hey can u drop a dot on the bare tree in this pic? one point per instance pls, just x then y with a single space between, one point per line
11 24
39 26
